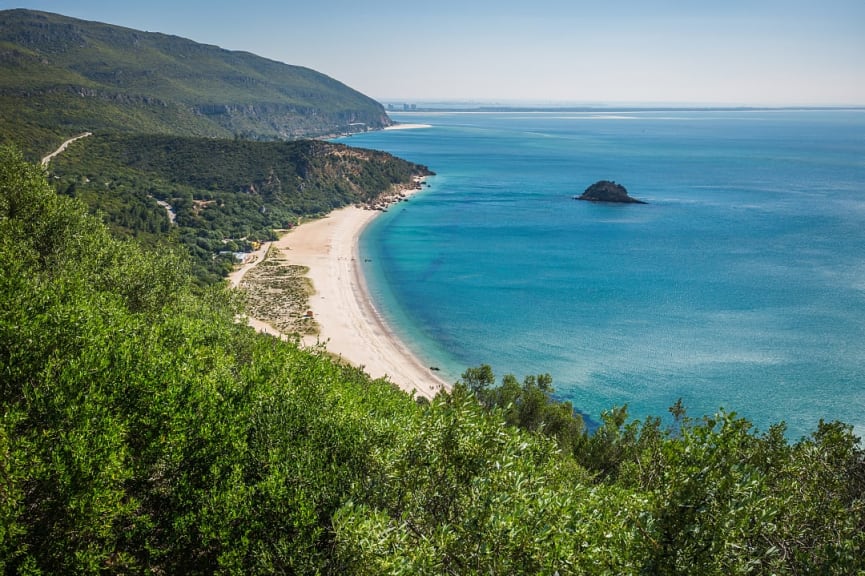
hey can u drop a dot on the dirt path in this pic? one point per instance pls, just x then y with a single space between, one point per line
254 258
63 147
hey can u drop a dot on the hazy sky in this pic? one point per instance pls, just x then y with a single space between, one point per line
775 52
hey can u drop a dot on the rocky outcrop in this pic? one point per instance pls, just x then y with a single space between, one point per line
607 191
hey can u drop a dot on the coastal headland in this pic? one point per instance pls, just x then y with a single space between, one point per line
349 326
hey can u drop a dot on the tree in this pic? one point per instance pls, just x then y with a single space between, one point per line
479 379
463 493
529 406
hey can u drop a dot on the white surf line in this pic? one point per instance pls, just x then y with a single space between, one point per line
63 147
408 126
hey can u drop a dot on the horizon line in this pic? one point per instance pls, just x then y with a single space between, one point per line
419 105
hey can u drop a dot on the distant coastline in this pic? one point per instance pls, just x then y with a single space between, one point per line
476 108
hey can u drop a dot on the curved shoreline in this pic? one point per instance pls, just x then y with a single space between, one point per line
350 326
412 373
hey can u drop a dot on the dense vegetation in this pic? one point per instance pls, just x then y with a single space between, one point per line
143 431
189 141
225 194
61 76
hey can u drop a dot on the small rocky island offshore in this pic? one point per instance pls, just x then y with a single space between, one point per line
607 191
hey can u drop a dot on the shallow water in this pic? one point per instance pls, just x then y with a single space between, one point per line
740 285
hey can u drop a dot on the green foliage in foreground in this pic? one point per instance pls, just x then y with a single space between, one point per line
143 431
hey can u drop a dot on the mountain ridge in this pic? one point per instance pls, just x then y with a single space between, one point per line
60 75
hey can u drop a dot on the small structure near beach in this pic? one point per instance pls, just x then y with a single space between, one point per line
607 191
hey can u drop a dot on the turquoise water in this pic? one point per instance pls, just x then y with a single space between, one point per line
740 285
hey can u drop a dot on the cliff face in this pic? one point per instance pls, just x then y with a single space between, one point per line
57 71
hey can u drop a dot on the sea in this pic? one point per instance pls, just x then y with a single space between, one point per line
740 285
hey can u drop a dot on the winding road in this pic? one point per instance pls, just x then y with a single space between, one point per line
63 147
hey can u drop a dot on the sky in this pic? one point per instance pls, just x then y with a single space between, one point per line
603 52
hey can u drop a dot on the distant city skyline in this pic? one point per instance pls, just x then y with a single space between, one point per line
661 52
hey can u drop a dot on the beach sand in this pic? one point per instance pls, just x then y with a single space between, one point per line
350 326
408 126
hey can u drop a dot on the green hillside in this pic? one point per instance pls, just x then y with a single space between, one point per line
224 194
213 136
61 76
144 431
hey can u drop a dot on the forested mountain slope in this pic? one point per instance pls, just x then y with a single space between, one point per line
190 144
60 76
224 194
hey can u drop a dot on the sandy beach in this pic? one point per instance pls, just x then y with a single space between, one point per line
350 326
408 126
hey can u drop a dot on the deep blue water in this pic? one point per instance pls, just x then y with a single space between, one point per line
740 285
